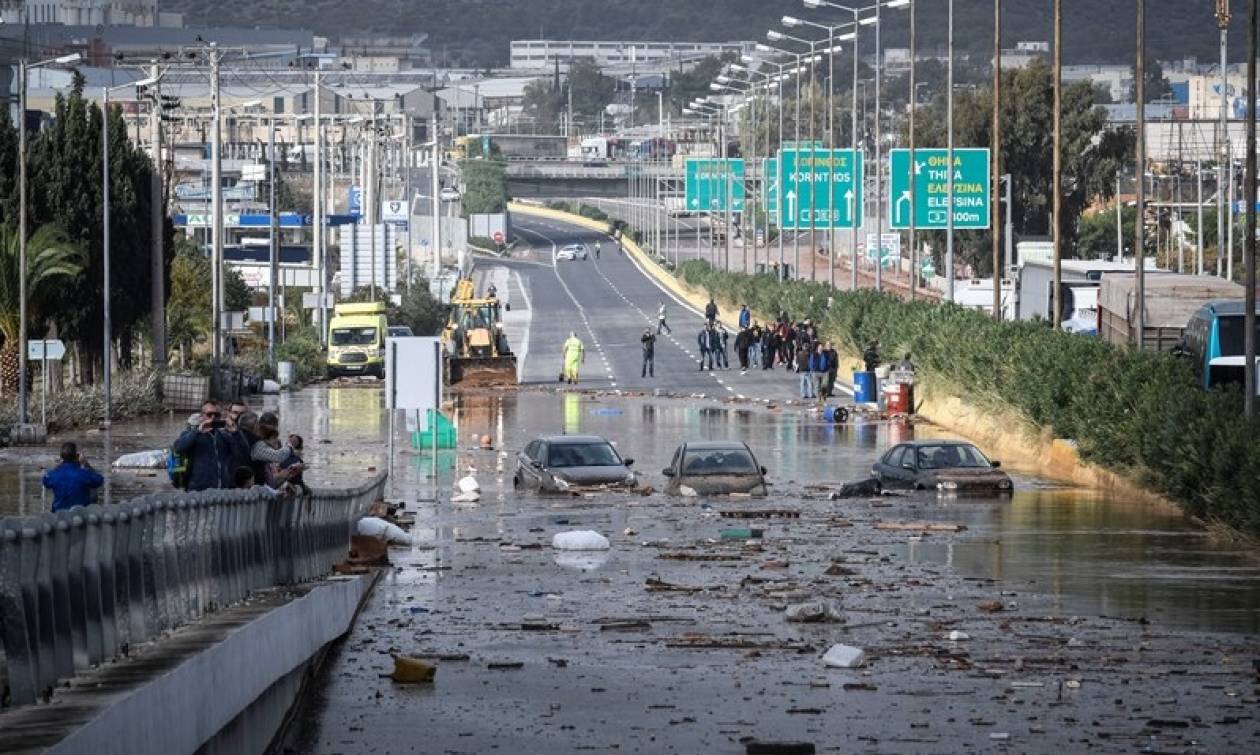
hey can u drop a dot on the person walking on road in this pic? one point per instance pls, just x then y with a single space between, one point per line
818 368
805 363
73 480
767 348
660 321
574 355
711 311
706 353
745 317
648 341
833 366
723 338
742 343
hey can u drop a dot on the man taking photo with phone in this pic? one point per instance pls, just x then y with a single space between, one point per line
212 450
73 480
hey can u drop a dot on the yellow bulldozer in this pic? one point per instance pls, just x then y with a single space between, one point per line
478 353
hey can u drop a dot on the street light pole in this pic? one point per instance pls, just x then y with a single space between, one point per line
1139 244
996 160
879 151
914 251
1056 185
949 195
23 399
1249 242
107 334
1222 22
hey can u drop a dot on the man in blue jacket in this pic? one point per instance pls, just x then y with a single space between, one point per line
213 450
73 480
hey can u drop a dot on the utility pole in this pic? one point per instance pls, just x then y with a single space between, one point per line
1249 242
435 190
1139 245
879 151
317 207
996 149
23 398
949 198
1225 157
157 228
1198 174
273 245
216 227
370 187
914 251
1056 185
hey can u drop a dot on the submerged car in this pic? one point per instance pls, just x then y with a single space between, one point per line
714 468
572 252
571 463
399 331
948 466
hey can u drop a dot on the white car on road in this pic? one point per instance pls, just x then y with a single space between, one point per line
572 252
449 194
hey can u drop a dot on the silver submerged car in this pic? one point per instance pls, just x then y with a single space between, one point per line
714 468
571 464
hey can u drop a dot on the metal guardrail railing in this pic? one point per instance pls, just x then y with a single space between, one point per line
81 587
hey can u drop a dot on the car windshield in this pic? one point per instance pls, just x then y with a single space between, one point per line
582 455
951 457
353 336
719 462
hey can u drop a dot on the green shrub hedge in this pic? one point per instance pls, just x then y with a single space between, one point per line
1140 414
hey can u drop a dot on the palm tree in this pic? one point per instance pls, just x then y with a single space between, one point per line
50 259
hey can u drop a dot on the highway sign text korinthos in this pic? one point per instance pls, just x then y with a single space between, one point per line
711 182
821 188
931 188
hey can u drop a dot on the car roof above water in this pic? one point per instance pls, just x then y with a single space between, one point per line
572 439
717 445
941 442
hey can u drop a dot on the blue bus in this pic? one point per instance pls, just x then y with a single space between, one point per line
1214 341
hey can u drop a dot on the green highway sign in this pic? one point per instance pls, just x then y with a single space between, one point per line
931 188
711 181
770 185
820 185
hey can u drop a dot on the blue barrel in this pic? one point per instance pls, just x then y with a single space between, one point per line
865 388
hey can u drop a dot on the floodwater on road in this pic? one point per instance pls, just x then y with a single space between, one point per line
1093 552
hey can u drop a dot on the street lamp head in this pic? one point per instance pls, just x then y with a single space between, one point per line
815 4
790 21
737 67
66 60
722 79
759 47
775 36
714 86
868 20
847 37
896 3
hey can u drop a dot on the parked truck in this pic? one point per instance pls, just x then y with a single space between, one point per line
356 339
1171 301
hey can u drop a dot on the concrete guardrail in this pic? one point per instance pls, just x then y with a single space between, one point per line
85 586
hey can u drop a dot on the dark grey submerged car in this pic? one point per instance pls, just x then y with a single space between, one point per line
571 463
948 466
714 468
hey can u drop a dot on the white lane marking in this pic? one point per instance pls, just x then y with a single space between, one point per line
524 345
565 286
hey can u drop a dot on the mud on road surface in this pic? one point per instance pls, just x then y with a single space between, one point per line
676 639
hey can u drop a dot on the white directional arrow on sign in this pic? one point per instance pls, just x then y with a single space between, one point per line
695 202
903 205
848 200
791 202
918 167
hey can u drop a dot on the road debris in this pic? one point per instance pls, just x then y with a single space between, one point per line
844 656
815 611
412 670
580 540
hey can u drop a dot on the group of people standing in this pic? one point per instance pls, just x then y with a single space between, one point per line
239 449
792 345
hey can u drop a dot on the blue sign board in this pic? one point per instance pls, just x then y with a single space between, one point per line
356 200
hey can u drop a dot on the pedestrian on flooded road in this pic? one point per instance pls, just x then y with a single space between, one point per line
804 364
711 311
648 341
574 355
767 348
742 343
818 369
660 321
722 339
73 480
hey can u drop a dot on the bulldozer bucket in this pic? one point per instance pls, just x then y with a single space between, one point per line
476 372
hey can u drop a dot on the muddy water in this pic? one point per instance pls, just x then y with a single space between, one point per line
1091 553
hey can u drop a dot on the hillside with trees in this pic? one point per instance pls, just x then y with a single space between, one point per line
477 32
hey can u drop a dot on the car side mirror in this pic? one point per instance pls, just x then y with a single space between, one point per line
907 465
995 464
629 462
668 471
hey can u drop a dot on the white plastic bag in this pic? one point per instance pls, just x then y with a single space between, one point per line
580 540
155 459
843 656
380 529
468 485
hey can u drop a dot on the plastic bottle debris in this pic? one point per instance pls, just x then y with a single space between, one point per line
844 656
814 611
412 670
382 530
741 533
580 540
